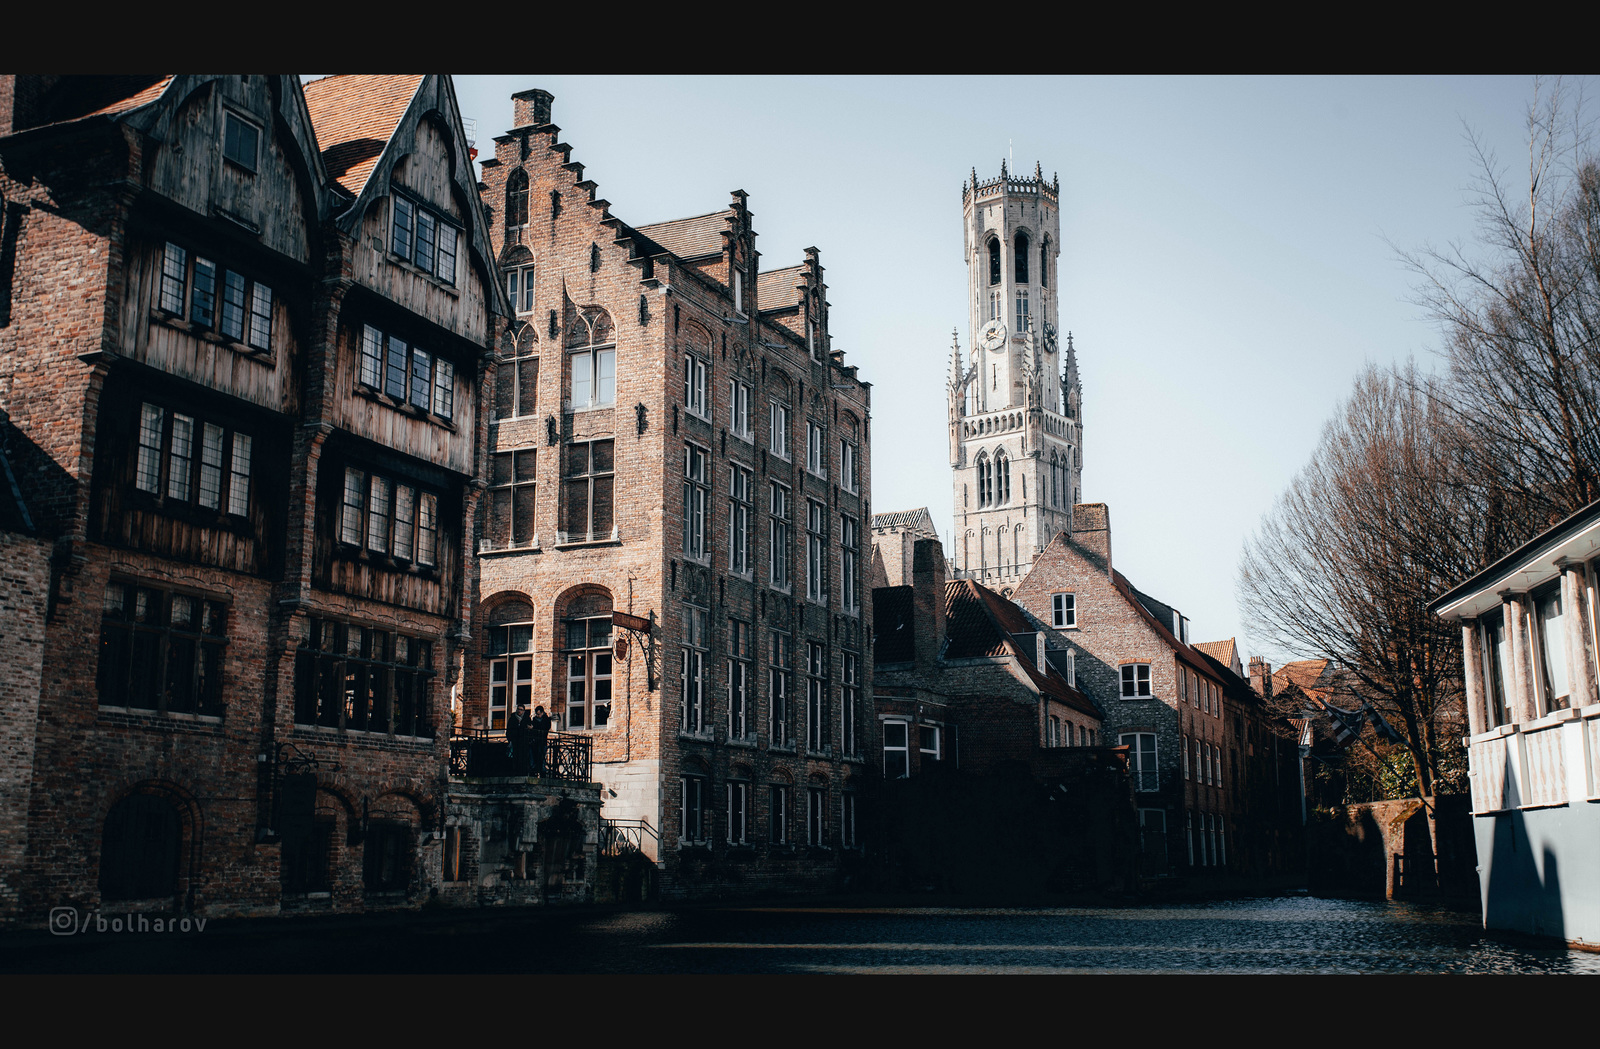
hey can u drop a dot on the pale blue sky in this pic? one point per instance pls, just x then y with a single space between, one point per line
1224 268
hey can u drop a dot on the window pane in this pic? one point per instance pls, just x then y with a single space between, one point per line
260 317
403 212
606 378
427 229
203 304
582 379
396 385
151 423
354 500
179 460
239 476
233 296
371 356
447 254
378 516
174 266
527 373
210 466
444 388
421 378
404 521
427 533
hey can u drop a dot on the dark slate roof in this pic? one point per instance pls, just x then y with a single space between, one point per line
906 520
1197 660
354 116
979 622
693 237
777 289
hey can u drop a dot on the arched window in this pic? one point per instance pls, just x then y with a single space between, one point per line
141 849
1022 257
587 647
1002 478
1044 263
510 661
517 380
985 481
517 199
592 353
994 261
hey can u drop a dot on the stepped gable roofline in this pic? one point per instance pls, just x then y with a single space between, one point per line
691 239
780 289
1530 564
979 622
918 520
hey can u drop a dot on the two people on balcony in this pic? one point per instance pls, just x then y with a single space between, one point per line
529 737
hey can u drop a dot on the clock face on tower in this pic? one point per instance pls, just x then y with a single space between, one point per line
1049 337
993 336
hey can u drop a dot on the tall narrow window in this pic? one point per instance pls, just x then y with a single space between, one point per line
516 382
778 698
693 669
779 814
779 535
152 425
427 528
510 673
738 812
1021 258
849 703
816 696
816 549
739 409
994 261
896 749
588 651
695 399
1141 759
739 725
174 270
849 557
850 479
739 511
517 200
816 817
587 492
780 430
816 450
693 813
1002 478
511 497
1024 314
696 495
210 491
592 358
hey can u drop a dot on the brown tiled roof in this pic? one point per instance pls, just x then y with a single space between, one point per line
1305 673
80 96
1221 651
918 518
778 288
979 622
692 237
354 116
135 100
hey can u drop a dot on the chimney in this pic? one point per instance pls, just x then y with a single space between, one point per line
927 590
531 107
1091 530
1261 677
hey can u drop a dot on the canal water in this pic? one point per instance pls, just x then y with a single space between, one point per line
1294 934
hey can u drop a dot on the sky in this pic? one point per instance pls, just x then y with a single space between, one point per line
1229 256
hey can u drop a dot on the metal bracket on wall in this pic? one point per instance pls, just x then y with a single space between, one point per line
643 632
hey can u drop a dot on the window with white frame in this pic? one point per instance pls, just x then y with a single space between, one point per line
696 399
738 290
1064 611
739 722
519 288
739 514
816 550
1554 691
778 695
588 655
850 479
510 673
896 749
816 456
1024 316
696 497
407 373
424 238
1197 757
778 813
1184 746
693 811
387 517
692 671
241 140
778 570
816 697
1135 680
214 298
591 361
816 816
190 460
738 812
1052 731
1141 759
780 430
930 742
849 702
1188 833
739 409
849 559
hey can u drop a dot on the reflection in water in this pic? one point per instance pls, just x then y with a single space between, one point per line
1297 934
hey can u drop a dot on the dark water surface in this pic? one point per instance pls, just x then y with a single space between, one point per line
1264 935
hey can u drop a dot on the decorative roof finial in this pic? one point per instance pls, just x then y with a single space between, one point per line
1038 172
1002 167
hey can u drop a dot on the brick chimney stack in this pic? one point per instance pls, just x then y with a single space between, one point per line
1261 677
531 107
927 595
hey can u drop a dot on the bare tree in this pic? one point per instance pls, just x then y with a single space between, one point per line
1520 319
1343 567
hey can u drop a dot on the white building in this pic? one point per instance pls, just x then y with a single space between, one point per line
1528 631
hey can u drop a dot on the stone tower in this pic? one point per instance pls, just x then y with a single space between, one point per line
1014 401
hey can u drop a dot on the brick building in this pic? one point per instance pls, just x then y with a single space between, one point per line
674 439
245 332
1215 785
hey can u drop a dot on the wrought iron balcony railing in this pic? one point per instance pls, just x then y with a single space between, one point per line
479 753
621 837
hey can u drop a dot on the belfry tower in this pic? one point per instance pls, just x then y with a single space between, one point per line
1016 429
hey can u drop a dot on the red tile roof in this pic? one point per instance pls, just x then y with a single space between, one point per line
354 116
690 238
134 101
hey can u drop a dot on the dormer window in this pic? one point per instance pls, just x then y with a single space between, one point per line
425 239
241 140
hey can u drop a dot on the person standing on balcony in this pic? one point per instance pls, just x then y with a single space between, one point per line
538 738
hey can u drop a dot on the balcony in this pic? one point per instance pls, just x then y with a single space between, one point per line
481 754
